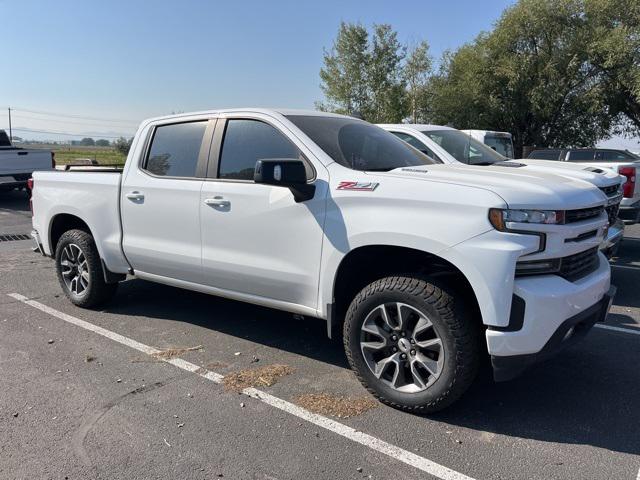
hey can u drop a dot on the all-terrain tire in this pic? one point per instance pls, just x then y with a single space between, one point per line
458 331
97 291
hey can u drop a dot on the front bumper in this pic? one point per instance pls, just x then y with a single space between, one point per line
611 243
630 214
540 307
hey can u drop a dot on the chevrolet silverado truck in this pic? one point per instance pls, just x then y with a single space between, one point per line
452 146
18 164
621 161
425 269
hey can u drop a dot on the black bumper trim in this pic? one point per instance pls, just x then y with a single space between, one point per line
569 332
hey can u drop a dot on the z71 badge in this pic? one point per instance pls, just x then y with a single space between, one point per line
359 186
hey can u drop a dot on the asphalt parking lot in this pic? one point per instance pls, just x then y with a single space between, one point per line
105 394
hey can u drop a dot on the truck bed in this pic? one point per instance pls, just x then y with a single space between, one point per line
91 195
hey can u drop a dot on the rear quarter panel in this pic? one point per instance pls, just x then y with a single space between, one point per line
91 196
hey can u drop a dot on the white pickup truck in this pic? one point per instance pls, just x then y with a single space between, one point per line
452 146
424 268
18 164
620 161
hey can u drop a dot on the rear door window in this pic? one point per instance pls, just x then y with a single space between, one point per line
175 149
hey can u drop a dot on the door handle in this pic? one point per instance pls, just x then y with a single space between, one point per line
135 196
217 201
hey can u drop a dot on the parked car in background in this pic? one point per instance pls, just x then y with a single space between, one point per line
18 164
621 161
452 146
423 267
501 142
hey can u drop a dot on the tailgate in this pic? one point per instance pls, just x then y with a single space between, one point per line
24 161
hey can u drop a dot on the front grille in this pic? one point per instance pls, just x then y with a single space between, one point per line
572 216
612 212
579 265
14 237
610 191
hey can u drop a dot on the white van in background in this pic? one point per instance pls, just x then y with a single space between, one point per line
501 142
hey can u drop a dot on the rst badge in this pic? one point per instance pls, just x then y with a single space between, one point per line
359 186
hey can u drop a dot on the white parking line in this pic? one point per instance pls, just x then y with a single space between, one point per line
374 443
618 329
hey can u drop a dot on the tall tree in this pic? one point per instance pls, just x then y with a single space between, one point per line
343 77
385 79
531 76
363 75
416 72
614 54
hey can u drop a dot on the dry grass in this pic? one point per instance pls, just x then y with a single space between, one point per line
256 377
334 405
168 353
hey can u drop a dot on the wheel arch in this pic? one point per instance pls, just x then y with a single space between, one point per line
368 263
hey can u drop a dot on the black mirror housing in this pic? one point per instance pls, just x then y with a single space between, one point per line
285 172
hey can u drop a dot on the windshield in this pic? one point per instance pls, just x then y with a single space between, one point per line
464 148
359 145
502 145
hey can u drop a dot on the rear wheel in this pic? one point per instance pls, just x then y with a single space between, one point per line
411 343
80 271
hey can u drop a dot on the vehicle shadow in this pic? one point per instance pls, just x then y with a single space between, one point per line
14 201
585 395
257 324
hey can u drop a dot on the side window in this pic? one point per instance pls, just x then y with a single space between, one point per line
580 155
414 142
612 155
247 141
174 149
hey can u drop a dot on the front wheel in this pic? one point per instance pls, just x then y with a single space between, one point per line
80 271
411 344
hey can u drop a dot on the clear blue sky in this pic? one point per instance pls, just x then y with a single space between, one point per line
134 59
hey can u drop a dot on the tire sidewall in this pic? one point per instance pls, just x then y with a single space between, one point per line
355 319
79 238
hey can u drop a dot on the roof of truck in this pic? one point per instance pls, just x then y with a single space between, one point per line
268 111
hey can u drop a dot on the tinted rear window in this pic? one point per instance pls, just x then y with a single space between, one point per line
545 154
175 148
580 155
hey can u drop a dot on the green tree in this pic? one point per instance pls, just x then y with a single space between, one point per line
122 145
417 72
614 55
102 143
343 77
87 142
385 80
532 75
363 75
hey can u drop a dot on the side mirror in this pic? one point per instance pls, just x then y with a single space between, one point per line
285 172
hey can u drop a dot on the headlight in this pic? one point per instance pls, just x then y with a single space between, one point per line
499 217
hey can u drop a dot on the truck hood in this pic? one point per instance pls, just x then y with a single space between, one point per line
600 177
519 187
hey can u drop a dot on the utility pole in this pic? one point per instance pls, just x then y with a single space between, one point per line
10 132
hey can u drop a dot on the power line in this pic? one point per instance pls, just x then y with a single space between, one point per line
29 117
50 132
52 114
